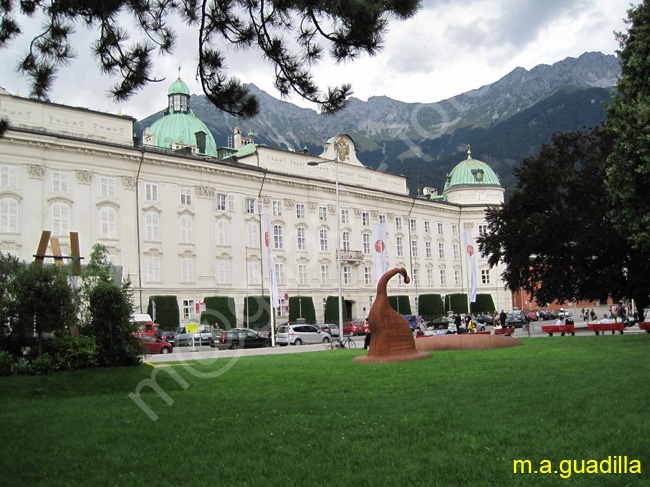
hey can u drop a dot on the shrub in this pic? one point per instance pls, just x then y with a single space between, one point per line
483 304
167 314
44 365
431 306
302 307
456 302
6 363
401 304
256 311
219 310
332 310
23 367
74 353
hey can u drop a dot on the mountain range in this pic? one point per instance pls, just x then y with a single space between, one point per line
503 122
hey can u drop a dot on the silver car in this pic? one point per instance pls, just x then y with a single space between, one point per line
291 334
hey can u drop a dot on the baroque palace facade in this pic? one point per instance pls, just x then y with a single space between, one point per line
182 217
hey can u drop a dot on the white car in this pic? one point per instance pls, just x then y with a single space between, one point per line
292 334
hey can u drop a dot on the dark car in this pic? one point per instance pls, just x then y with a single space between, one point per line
444 321
485 319
516 319
154 345
167 336
237 338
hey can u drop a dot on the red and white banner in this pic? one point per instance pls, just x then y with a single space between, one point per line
470 250
268 243
379 249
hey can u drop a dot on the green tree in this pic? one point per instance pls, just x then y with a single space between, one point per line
220 311
332 310
288 35
302 307
257 311
554 234
484 304
167 313
628 118
456 302
430 306
401 304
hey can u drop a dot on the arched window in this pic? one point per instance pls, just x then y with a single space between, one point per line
108 221
151 226
346 241
223 232
187 229
60 219
302 238
8 215
323 240
400 246
253 231
277 237
366 243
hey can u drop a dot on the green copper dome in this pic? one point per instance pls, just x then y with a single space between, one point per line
179 128
471 172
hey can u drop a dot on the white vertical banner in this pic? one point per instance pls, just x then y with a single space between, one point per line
379 248
266 228
468 243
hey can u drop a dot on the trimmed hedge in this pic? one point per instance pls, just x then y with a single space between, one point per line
302 307
256 312
219 311
483 304
431 306
456 302
404 307
332 310
167 312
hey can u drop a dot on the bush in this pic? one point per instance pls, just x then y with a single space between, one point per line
302 307
44 365
456 302
431 306
6 363
332 310
484 304
401 304
73 353
167 314
257 312
219 310
23 367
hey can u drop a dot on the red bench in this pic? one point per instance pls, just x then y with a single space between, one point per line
510 330
550 329
487 332
645 325
603 327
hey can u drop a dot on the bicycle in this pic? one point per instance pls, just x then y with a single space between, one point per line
347 342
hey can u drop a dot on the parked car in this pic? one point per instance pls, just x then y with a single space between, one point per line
237 338
516 319
444 321
202 334
330 328
154 345
167 336
298 334
485 319
531 316
353 328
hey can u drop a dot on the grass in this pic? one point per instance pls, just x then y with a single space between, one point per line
313 419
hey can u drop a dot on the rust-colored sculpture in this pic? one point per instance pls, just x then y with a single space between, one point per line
392 337
466 341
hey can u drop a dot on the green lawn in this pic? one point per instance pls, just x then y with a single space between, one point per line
312 419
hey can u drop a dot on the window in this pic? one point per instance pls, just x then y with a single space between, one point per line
282 309
482 230
323 240
414 248
427 250
279 273
367 275
277 237
223 232
456 252
324 274
254 276
347 274
345 216
416 278
226 202
322 213
430 277
59 182
485 276
365 218
151 226
277 208
346 242
300 211
399 246
252 206
301 236
187 270
302 274
189 309
186 196
414 225
253 232
187 229
107 187
439 228
150 192
382 218
366 243
443 277
8 177
454 230
224 272
457 278
60 219
427 226
8 215
153 269
441 250
398 223
108 222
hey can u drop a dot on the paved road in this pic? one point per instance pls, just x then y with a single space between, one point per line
183 354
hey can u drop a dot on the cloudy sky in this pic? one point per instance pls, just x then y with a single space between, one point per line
448 48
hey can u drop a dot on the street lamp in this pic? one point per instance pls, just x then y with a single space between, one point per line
338 232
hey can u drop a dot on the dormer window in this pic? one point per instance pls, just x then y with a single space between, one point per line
478 175
179 103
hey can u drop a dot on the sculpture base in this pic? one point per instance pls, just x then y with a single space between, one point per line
465 341
398 357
